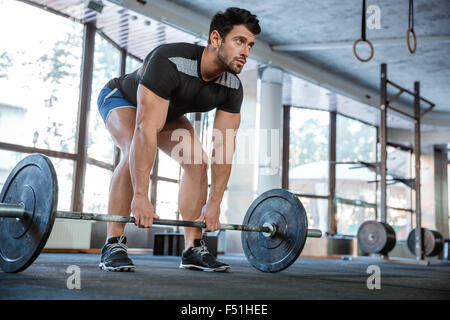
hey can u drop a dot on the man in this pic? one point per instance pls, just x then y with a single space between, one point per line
142 109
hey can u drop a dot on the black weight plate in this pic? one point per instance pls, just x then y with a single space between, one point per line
283 209
438 241
432 239
376 237
32 182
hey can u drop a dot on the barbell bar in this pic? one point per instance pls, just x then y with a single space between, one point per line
276 220
18 211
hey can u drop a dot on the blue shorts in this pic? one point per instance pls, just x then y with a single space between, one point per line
110 99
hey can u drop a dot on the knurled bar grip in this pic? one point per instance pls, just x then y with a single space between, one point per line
165 222
18 211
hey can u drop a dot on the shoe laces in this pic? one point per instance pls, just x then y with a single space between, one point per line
202 249
119 246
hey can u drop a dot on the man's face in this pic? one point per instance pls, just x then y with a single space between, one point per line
233 52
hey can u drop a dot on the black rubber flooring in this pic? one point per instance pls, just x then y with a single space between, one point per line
159 278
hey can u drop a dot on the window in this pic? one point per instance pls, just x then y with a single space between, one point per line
131 64
399 162
39 78
64 171
399 195
167 200
9 161
401 222
63 168
168 167
350 217
96 190
106 67
39 81
308 151
355 141
355 183
317 212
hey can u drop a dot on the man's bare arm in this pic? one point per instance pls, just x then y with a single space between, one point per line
150 119
226 124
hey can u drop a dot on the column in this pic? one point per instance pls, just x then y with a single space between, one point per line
270 129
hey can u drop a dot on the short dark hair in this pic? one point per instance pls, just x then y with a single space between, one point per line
223 22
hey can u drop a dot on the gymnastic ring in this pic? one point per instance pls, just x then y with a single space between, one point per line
371 50
414 40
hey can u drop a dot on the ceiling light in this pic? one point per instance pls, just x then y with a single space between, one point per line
96 5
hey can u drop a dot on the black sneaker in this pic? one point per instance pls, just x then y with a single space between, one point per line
114 255
199 258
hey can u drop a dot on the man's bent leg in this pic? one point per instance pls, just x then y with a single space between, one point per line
192 195
120 196
121 124
194 183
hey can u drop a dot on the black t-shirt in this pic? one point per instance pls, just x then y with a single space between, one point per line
172 71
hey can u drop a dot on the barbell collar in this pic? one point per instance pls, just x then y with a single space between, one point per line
314 233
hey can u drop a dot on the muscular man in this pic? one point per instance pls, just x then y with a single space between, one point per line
142 109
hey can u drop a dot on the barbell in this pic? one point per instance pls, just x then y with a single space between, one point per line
276 224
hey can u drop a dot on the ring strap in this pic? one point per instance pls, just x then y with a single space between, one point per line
363 21
411 15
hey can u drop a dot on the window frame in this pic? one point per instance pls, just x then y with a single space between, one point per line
331 196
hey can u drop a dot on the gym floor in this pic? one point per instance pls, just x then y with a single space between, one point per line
159 278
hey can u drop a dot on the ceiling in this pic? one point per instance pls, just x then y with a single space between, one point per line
328 21
134 32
